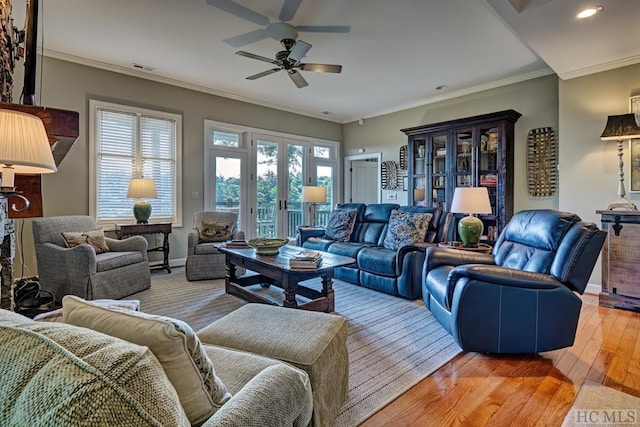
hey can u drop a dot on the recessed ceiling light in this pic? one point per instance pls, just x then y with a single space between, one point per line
442 87
590 11
326 112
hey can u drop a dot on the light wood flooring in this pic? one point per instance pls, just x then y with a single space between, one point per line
533 390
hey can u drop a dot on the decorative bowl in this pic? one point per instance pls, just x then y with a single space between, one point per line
266 246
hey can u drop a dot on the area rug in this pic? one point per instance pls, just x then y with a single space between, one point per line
598 405
393 343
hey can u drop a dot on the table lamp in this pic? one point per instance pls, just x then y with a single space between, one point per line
618 128
470 200
24 148
313 195
141 189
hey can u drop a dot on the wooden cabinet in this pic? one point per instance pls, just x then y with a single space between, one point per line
621 260
469 152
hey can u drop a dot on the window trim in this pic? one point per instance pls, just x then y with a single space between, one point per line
94 106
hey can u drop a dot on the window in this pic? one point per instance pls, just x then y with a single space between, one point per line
129 142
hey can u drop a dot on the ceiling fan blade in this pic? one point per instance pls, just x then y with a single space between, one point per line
289 9
240 11
323 28
247 38
321 68
299 50
297 78
258 57
264 73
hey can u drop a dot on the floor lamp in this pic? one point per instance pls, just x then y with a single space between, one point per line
313 195
619 128
24 149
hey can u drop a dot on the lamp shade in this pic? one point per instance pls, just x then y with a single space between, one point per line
622 126
314 194
141 188
471 200
24 143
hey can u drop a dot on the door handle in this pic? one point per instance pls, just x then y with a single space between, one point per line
285 205
279 205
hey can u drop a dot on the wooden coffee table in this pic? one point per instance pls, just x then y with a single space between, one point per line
275 270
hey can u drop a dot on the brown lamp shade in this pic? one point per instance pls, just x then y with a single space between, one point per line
622 126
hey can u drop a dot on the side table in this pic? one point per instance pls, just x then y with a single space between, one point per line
482 247
126 230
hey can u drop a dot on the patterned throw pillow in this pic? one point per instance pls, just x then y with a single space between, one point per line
340 225
406 228
215 231
95 238
172 341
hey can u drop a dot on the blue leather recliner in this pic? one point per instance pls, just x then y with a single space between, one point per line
521 297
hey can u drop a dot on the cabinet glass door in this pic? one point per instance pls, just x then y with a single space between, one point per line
439 170
464 158
418 170
488 174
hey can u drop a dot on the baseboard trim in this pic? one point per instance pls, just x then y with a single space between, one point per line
593 289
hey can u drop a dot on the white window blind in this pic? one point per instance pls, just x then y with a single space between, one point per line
130 144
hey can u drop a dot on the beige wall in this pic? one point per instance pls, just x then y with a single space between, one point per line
536 100
70 86
588 166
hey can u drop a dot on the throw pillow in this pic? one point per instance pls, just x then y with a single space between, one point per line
340 225
95 238
172 341
406 228
215 231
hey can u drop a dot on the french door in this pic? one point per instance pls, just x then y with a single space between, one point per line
279 176
228 188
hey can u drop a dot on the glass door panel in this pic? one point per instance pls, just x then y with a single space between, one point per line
325 178
464 159
439 172
488 171
229 191
293 201
267 189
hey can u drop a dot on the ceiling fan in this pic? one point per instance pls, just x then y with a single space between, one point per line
276 30
289 60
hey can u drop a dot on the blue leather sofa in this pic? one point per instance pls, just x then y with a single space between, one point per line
521 297
397 272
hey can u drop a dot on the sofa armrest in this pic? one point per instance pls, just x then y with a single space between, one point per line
277 396
504 276
306 232
436 257
130 244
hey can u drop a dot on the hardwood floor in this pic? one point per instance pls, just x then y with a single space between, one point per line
528 390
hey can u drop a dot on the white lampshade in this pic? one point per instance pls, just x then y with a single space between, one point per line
142 188
24 146
314 194
471 200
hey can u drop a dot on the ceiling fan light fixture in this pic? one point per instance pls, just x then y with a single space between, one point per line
588 12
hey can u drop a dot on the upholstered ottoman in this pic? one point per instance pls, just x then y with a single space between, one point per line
312 341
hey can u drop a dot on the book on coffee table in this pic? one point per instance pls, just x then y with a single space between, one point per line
237 244
306 259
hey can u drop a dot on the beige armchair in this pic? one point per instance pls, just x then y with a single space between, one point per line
79 270
204 260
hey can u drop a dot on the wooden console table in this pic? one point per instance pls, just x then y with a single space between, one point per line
621 260
126 230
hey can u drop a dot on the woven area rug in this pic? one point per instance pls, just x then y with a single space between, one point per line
598 405
393 343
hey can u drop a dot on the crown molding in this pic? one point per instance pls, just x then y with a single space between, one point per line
148 75
606 66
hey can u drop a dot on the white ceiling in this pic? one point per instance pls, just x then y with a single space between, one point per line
394 57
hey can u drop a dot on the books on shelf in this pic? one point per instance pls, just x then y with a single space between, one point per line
306 259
